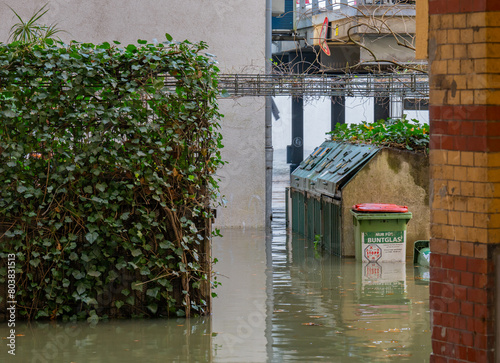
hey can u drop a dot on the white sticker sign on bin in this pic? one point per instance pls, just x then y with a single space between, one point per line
387 246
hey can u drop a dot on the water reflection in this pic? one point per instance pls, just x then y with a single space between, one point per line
175 340
284 303
333 310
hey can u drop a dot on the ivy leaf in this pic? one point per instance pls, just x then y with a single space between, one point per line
136 252
80 288
125 292
9 113
121 264
137 285
101 187
92 237
166 245
153 308
131 48
112 275
21 189
94 273
169 37
153 292
78 274
41 313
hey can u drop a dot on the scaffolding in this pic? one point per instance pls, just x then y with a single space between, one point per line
361 85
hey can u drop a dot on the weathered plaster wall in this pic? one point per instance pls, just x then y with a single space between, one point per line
392 176
234 31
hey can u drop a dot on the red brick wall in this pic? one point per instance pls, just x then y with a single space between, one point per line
464 57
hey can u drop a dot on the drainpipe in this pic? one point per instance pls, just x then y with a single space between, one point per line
268 119
269 188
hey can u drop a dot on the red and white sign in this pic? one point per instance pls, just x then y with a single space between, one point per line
322 37
373 253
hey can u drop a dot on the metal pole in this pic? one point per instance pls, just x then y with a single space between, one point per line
269 187
268 119
337 111
297 147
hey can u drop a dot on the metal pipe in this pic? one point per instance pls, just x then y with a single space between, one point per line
268 119
269 186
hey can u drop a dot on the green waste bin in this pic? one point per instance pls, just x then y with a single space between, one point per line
421 253
380 232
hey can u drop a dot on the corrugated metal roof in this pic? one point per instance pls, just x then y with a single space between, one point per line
331 166
305 172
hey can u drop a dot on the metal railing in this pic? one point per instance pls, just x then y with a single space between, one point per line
372 85
317 6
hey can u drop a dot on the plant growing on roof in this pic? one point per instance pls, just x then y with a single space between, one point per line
399 133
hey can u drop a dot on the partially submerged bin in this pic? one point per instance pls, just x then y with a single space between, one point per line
421 253
380 232
315 187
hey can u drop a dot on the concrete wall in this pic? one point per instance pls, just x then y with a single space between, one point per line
386 48
235 32
392 176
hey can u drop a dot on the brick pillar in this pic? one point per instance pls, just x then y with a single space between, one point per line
464 55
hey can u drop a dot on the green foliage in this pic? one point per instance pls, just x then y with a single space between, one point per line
107 161
400 133
31 31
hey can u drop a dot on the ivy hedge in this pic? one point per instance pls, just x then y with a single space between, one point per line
107 161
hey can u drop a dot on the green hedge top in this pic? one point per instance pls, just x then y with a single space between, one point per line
393 132
107 157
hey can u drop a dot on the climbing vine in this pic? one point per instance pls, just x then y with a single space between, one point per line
107 161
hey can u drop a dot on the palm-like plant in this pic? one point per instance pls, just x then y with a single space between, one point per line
31 31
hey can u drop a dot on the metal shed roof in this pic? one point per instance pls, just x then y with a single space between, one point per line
331 166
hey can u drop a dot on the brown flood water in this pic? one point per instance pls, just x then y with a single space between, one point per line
303 307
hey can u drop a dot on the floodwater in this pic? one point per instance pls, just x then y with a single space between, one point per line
280 301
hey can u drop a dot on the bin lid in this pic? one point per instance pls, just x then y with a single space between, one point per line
380 207
341 165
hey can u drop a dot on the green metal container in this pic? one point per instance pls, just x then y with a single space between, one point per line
298 212
313 217
331 223
315 190
380 237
